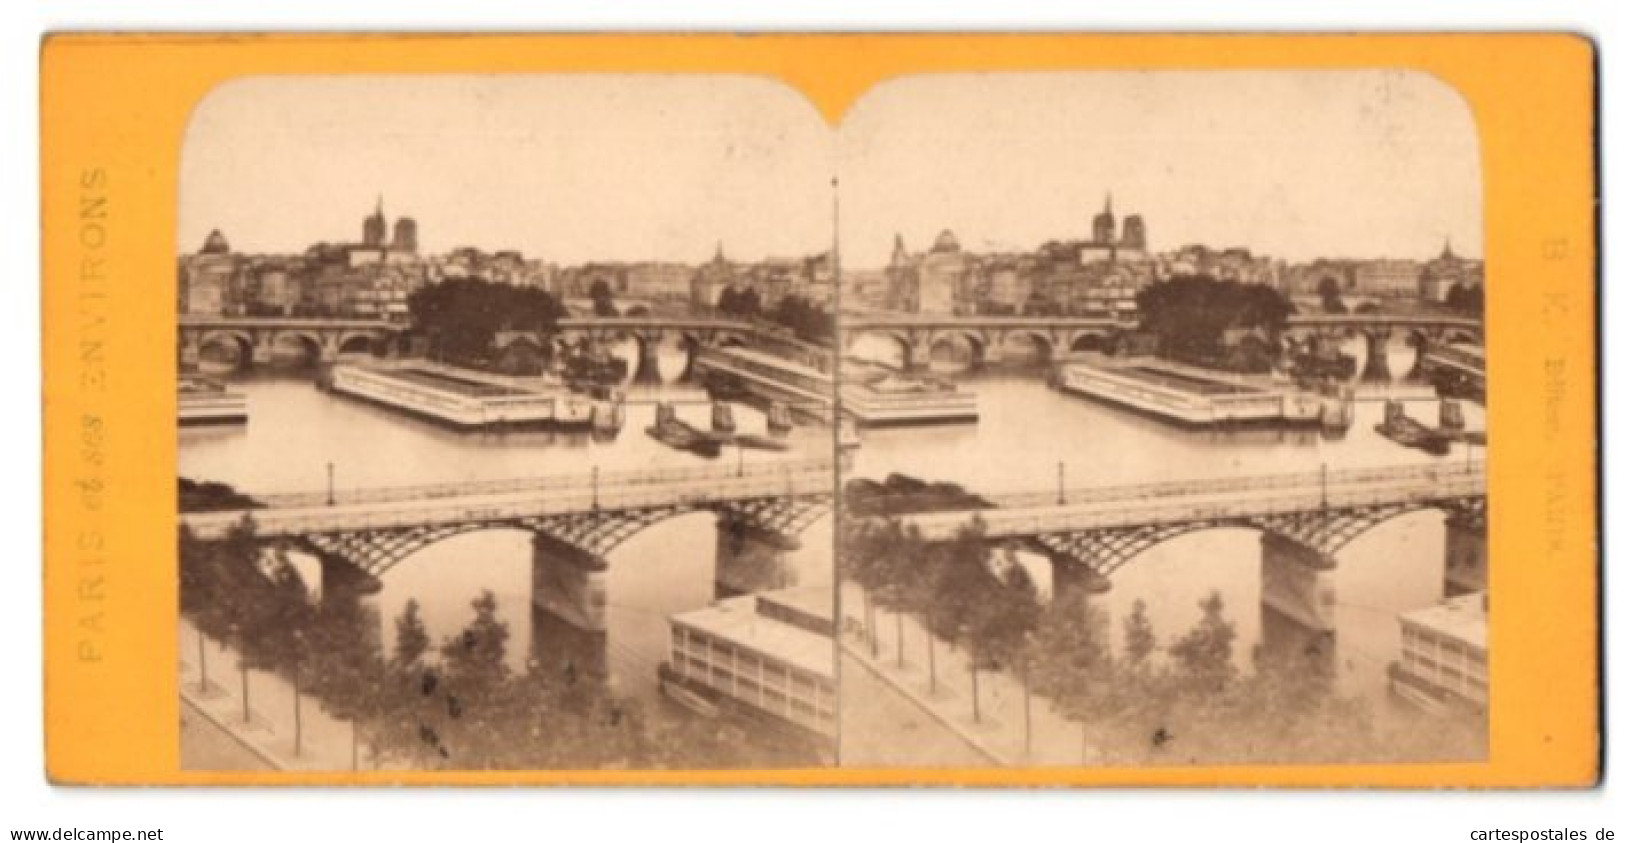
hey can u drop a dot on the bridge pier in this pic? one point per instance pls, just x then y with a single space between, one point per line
1068 575
1418 373
1466 564
1299 597
569 583
648 358
1298 581
348 588
1376 359
751 558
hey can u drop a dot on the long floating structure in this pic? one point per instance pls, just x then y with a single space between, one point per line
871 396
1189 395
876 396
465 398
202 401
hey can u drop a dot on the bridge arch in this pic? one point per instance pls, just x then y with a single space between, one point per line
951 338
361 342
307 345
236 345
1040 341
1106 551
1090 341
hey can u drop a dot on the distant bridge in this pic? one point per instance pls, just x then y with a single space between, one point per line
987 337
257 339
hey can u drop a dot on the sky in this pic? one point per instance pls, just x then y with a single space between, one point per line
566 168
1291 164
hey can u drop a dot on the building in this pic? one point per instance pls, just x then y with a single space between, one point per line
1387 278
1444 654
770 656
211 280
1446 271
1231 264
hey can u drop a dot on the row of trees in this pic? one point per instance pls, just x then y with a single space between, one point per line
1144 701
455 705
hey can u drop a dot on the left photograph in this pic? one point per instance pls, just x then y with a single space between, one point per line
507 436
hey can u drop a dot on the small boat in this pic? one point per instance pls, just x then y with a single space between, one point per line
722 417
678 434
1409 432
766 443
725 387
779 421
846 435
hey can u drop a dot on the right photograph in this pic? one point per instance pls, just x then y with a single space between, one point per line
1167 403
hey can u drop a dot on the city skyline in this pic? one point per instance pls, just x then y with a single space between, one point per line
733 160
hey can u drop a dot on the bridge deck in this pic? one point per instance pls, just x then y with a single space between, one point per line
1212 500
516 500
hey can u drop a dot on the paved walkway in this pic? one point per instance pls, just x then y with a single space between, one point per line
999 733
268 734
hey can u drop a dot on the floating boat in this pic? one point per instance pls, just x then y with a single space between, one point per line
675 433
203 401
846 435
1409 432
722 417
765 443
779 422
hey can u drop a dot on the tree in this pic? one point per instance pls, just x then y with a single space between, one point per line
411 636
1203 655
1069 659
1190 314
283 642
603 299
1139 639
1331 295
347 670
461 316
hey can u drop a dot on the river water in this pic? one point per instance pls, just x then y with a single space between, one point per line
1027 432
1027 437
295 430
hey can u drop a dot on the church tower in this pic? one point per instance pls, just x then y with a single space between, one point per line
1134 232
372 230
1105 230
406 235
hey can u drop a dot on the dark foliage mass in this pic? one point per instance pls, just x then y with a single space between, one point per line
901 495
458 705
806 320
209 496
1191 314
461 316
1468 299
1141 701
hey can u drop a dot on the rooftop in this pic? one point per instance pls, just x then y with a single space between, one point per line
1463 618
735 619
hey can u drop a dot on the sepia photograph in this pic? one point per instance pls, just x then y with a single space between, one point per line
506 416
1169 390
1080 419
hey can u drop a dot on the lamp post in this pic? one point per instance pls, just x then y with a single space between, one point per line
330 484
1027 696
1060 483
595 488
